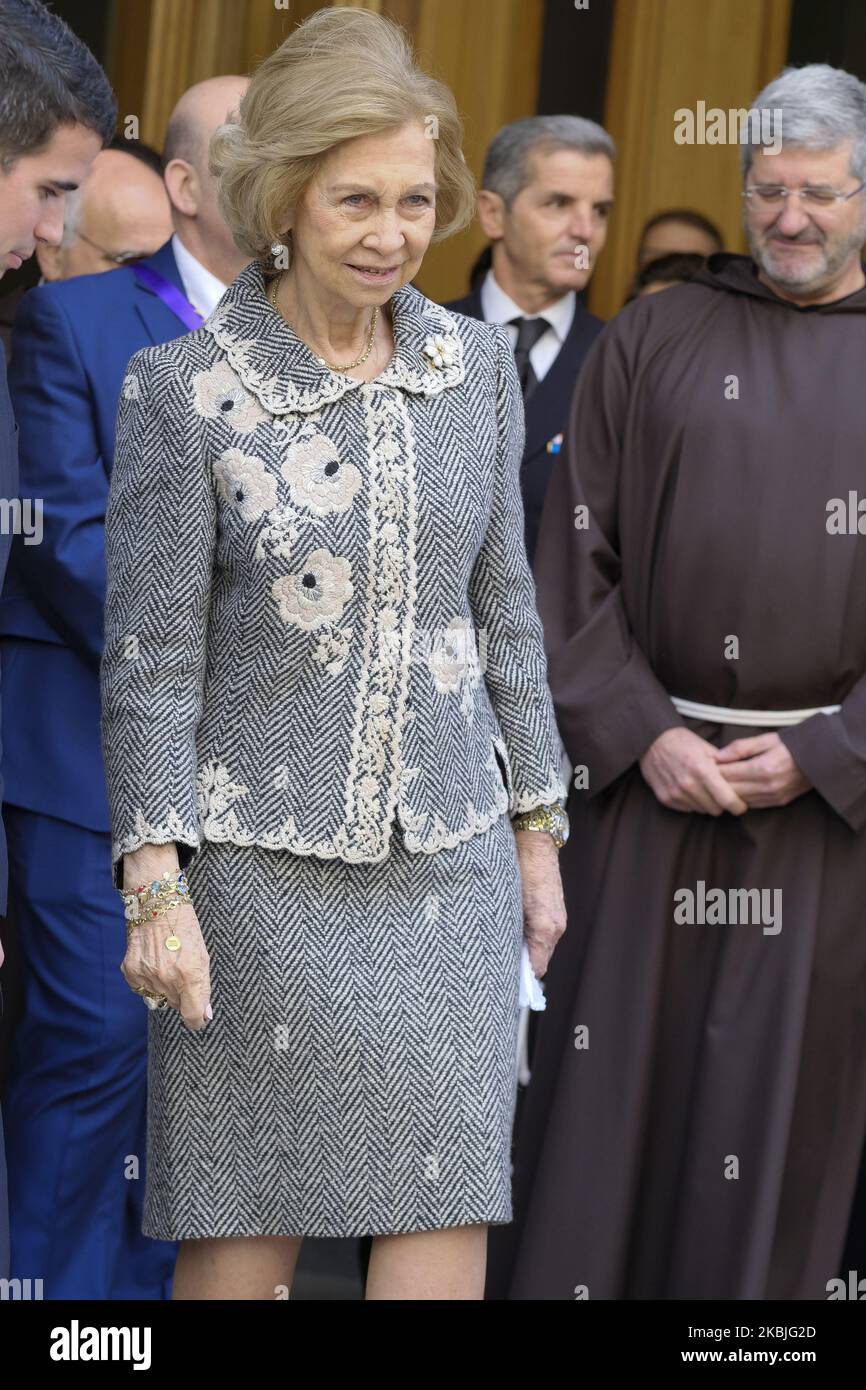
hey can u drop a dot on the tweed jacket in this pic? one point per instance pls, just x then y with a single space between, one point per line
320 619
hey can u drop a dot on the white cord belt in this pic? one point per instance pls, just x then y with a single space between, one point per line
723 714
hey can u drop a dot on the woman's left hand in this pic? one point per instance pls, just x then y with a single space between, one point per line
543 902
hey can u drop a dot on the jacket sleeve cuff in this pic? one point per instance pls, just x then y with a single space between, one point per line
186 837
609 731
822 749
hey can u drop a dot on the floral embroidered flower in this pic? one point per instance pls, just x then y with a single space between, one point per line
407 775
245 483
375 762
332 648
317 477
220 395
316 593
278 534
448 663
441 351
412 820
215 790
454 663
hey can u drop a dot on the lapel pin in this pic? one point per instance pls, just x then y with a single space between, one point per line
440 350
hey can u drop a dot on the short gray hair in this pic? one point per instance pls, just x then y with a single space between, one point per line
506 164
820 107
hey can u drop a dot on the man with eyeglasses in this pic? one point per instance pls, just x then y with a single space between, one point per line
697 1107
121 214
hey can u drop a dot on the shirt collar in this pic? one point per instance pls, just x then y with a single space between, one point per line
499 307
284 374
203 290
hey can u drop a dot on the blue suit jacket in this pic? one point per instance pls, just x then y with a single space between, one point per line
8 491
548 408
72 342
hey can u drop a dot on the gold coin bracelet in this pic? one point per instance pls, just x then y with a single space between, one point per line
151 901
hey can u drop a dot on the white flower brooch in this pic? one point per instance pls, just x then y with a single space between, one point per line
441 351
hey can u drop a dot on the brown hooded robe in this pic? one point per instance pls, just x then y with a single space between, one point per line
702 1139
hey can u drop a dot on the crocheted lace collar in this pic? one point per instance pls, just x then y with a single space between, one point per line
282 372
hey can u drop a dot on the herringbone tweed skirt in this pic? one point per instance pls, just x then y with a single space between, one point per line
358 1075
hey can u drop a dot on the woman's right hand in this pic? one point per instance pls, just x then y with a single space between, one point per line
544 917
182 976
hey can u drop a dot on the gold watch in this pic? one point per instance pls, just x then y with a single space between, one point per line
553 819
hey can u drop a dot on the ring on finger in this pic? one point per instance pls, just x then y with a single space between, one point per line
153 1001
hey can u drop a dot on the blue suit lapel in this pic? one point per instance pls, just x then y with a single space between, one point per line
160 323
549 403
9 480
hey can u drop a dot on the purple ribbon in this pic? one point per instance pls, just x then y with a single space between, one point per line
170 295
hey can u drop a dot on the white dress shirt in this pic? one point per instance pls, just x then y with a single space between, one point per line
498 307
203 290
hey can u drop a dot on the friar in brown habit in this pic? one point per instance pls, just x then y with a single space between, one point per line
697 1107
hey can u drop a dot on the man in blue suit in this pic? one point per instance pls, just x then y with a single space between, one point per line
56 113
76 1105
546 192
8 492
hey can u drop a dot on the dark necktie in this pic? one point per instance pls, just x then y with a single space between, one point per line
528 333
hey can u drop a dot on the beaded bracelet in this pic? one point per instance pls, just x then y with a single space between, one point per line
150 901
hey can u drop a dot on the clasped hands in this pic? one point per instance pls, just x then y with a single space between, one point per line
686 773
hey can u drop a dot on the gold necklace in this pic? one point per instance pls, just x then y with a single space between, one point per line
322 361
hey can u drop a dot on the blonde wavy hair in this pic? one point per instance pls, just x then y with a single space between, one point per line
340 74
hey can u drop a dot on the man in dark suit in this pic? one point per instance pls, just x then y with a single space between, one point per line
546 193
56 112
76 1105
8 492
545 197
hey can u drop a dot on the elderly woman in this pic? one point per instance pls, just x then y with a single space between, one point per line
325 704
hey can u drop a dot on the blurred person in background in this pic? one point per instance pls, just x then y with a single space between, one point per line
121 214
677 230
56 112
77 1088
544 203
666 271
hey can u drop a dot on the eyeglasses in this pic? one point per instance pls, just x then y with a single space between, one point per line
116 258
773 195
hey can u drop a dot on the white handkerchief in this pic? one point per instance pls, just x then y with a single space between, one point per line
531 992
